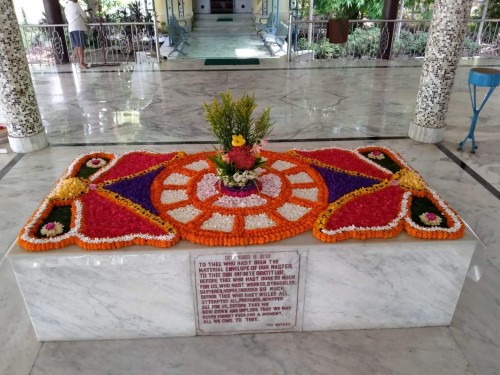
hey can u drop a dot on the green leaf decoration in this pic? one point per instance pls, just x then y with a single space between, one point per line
61 214
229 117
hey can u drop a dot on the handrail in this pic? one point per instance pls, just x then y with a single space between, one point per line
386 21
92 24
106 43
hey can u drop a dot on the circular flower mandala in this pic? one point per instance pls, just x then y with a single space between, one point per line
290 196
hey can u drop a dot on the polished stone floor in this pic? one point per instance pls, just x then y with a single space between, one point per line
313 105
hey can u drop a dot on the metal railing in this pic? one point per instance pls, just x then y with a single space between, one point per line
106 43
409 39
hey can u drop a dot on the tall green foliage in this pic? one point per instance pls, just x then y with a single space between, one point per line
350 9
234 117
372 9
493 11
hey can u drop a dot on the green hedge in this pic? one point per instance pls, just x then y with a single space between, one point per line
364 43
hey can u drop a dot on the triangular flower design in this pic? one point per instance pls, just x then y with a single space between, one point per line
380 197
102 202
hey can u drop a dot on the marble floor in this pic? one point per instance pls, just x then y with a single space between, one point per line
343 104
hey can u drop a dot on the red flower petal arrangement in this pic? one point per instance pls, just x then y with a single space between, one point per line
105 201
378 196
102 202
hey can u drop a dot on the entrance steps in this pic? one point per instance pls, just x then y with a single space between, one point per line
228 24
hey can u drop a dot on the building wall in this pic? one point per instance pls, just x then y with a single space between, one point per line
188 9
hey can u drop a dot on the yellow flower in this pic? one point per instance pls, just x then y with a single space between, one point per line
410 180
238 140
71 188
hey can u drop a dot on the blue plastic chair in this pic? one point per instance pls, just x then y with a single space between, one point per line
483 77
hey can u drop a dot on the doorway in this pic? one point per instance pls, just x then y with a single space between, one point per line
221 6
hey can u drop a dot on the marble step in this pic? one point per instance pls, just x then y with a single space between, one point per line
221 32
235 16
211 25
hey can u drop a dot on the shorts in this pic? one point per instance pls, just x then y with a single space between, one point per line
77 38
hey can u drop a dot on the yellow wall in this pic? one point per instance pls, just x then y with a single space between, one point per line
162 13
188 9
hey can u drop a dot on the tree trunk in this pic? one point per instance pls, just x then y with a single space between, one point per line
400 17
310 18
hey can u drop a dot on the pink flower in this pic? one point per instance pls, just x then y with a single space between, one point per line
256 149
431 216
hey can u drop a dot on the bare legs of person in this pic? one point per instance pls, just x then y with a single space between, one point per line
78 51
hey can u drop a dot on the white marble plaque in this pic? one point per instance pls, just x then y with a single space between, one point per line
241 292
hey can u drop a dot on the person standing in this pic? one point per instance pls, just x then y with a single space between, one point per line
77 27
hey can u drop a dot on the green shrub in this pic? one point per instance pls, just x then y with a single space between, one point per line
364 42
323 49
471 47
303 44
410 44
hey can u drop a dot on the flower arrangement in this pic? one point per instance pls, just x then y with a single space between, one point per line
241 138
106 201
375 194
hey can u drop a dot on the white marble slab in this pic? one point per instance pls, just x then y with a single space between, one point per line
145 292
18 344
385 284
114 295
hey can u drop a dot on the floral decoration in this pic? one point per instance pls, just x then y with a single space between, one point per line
241 138
287 201
146 198
110 208
95 163
376 155
430 218
52 229
377 197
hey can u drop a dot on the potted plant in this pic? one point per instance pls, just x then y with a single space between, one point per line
241 138
338 24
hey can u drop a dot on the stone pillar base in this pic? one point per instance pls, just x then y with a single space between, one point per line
28 144
426 135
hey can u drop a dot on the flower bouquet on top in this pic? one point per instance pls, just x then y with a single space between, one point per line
241 138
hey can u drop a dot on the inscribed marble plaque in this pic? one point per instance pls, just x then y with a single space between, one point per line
246 291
